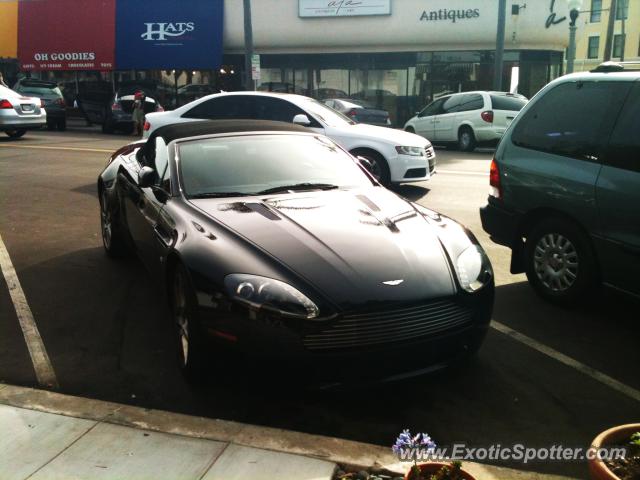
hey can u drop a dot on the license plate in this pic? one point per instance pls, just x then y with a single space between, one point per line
28 108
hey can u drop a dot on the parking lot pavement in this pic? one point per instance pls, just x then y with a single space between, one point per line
105 326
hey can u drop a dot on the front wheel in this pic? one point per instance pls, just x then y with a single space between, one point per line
560 263
15 133
112 238
379 167
186 326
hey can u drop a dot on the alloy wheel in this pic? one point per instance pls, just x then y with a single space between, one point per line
181 318
106 221
465 139
375 169
556 262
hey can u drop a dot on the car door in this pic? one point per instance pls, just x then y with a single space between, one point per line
142 207
618 199
444 130
425 121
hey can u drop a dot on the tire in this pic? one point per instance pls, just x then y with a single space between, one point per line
113 239
410 130
15 133
559 262
61 124
380 168
51 125
466 139
186 326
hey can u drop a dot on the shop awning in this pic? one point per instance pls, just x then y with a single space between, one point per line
9 29
66 35
169 34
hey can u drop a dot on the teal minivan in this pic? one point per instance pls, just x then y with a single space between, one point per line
565 185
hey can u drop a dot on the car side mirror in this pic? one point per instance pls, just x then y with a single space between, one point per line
146 177
301 119
365 163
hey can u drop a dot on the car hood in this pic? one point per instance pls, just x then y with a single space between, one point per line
391 135
355 246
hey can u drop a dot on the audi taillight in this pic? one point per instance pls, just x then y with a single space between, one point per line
41 103
147 126
487 116
5 104
494 180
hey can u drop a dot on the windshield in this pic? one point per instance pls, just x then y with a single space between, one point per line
247 165
327 115
40 91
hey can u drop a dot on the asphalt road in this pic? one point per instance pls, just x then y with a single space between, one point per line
105 327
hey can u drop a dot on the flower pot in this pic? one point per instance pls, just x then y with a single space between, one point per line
432 468
597 468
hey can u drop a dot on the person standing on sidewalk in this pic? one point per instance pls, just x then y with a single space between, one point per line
138 113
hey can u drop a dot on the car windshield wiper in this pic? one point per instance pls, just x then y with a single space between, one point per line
299 186
219 195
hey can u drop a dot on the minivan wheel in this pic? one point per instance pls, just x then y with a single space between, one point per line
466 139
560 262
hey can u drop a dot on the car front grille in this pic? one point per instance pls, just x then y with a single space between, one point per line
392 326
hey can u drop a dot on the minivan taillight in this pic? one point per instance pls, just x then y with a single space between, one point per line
494 180
487 116
5 104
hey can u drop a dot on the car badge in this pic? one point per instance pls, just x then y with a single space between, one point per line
393 283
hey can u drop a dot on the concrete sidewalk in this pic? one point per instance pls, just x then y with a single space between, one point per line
50 436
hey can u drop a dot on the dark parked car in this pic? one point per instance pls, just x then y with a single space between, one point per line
118 116
51 96
566 186
360 111
270 238
194 91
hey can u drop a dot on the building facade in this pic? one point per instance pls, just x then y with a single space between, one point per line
398 54
594 19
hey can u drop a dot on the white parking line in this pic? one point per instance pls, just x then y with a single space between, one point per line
41 363
72 149
568 361
461 172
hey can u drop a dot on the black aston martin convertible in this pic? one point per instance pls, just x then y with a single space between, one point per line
270 238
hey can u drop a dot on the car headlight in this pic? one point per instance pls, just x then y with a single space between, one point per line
269 294
473 269
413 151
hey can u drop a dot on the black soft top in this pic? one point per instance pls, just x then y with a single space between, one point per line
177 131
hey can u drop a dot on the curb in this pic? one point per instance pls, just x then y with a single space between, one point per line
343 452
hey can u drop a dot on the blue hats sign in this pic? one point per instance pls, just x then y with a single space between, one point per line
168 34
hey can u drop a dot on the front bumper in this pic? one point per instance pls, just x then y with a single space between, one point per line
500 223
410 168
284 346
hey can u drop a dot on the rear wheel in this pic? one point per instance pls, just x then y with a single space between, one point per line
560 263
466 139
379 167
51 125
112 238
15 133
189 339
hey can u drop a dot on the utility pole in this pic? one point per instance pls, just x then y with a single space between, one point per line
610 25
499 65
248 45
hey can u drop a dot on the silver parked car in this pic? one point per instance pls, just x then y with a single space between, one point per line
360 111
19 114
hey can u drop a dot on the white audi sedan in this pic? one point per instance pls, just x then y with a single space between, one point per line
395 156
